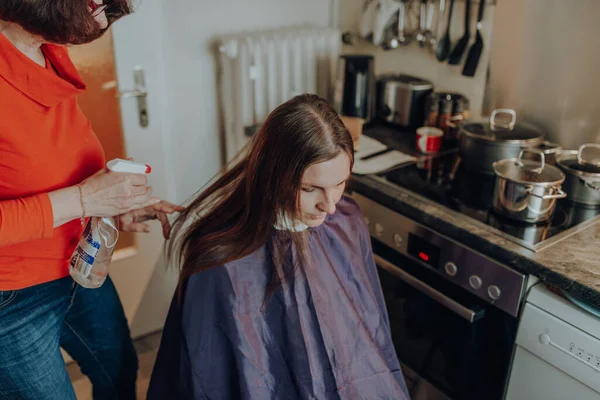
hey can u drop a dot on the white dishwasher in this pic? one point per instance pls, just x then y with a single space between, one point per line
557 356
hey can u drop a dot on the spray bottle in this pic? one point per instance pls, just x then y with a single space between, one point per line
92 256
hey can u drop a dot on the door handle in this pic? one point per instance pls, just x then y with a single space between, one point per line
445 301
139 91
132 93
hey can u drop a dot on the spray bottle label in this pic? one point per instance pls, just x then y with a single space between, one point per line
86 252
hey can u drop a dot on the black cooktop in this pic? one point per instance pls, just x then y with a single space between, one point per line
446 181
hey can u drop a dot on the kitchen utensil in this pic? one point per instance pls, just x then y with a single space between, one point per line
440 18
482 143
527 190
401 99
385 12
403 38
443 49
430 38
395 39
429 139
354 94
390 39
421 34
367 18
583 178
459 50
477 47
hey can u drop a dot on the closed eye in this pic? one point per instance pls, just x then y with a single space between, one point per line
312 188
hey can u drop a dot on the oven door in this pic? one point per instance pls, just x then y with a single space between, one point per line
452 345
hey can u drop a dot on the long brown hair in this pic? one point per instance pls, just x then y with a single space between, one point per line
235 215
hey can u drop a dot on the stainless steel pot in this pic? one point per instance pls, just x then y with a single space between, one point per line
485 142
582 182
527 190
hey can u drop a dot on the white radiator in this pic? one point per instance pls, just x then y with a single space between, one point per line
260 70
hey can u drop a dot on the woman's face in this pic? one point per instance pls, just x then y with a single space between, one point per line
99 15
322 187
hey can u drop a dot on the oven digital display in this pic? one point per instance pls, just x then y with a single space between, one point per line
423 250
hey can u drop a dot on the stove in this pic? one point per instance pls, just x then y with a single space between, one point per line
445 180
453 310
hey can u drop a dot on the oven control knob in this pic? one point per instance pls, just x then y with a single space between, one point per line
494 292
475 282
451 268
378 229
398 240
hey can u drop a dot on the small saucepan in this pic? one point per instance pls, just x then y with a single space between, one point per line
582 182
527 190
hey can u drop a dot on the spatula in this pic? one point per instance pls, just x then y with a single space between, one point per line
459 50
477 47
443 49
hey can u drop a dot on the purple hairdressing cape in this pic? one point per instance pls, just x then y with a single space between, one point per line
323 335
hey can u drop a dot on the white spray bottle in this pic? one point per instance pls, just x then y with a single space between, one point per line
92 256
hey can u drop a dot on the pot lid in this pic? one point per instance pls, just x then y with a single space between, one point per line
503 129
587 168
577 162
529 171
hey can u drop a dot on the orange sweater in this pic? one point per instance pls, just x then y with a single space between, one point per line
46 143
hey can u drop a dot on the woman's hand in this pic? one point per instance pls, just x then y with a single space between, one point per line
108 194
134 221
105 194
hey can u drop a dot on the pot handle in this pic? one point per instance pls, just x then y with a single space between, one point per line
559 195
510 125
592 185
552 145
580 159
537 170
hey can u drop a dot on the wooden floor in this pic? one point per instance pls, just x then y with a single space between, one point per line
146 347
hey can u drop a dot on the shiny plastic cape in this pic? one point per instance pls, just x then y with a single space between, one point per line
322 335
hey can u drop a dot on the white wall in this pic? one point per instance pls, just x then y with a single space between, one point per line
190 28
545 64
421 63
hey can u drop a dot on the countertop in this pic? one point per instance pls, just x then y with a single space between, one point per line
572 264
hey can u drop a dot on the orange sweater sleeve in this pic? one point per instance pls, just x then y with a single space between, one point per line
25 219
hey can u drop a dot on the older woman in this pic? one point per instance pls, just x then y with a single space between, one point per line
52 178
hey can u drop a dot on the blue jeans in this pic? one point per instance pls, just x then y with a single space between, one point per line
88 323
